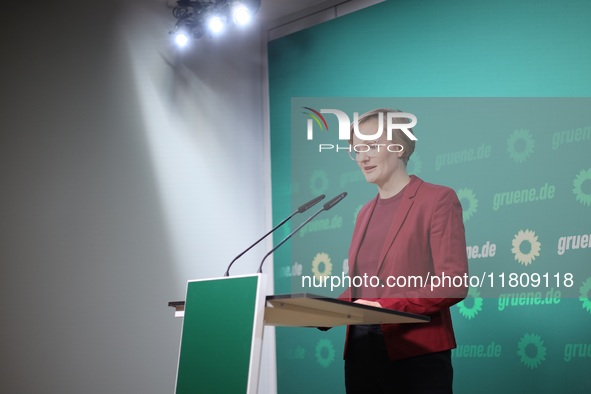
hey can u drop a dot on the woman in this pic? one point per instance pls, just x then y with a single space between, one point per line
411 228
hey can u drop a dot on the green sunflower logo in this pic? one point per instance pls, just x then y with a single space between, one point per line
582 197
520 145
469 203
531 350
325 353
473 298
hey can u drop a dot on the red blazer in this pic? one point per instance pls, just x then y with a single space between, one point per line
426 238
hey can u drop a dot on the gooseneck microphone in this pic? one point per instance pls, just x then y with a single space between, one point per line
301 209
325 207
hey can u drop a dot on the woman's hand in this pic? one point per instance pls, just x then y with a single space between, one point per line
368 303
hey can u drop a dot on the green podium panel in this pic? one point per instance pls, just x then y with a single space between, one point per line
222 335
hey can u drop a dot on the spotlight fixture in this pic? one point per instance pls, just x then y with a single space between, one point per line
241 14
196 17
181 39
215 24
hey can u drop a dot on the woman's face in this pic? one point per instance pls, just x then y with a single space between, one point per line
381 168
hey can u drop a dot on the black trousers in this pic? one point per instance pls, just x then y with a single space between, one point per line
368 369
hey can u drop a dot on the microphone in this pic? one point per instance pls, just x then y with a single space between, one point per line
325 207
301 209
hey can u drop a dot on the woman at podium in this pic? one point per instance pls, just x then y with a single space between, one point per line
409 233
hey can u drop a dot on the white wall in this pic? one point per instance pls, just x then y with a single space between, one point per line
126 170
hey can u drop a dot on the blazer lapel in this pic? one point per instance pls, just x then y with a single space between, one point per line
401 214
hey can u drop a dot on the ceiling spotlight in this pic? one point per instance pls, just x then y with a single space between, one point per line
181 39
241 14
215 24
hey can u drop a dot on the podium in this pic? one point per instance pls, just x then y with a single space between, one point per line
223 321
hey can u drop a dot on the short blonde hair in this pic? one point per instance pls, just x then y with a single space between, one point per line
398 137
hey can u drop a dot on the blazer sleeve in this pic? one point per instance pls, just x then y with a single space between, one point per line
447 242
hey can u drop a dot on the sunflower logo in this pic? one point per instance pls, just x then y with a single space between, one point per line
529 237
585 291
318 182
531 350
469 203
296 269
470 312
321 265
415 164
520 145
582 197
325 352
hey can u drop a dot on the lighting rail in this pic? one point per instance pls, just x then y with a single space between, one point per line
197 17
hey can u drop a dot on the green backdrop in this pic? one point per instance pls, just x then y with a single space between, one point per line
521 167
